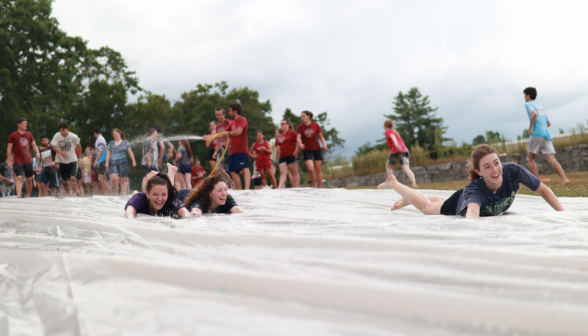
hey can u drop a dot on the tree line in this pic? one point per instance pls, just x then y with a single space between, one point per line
48 77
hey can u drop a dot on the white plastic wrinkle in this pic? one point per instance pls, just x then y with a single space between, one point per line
300 261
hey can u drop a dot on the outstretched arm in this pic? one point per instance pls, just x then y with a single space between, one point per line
473 210
130 212
549 197
237 209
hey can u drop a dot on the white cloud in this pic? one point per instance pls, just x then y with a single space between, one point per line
351 58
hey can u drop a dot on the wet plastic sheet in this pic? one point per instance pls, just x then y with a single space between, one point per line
319 262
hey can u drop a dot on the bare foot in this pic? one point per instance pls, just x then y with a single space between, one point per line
401 203
414 186
389 183
565 182
171 173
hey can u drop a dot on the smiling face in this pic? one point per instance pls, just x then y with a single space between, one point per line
23 126
259 137
157 196
219 194
491 171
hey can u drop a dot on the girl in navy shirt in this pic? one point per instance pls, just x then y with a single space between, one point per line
491 191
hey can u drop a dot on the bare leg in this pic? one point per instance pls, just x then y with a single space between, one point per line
401 203
310 168
247 178
389 170
19 186
29 186
532 165
413 197
237 179
123 185
558 169
171 173
283 174
73 182
263 178
188 180
114 179
318 168
272 178
178 183
81 187
410 174
212 164
295 176
103 185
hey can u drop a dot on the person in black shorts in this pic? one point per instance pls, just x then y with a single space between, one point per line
309 133
491 191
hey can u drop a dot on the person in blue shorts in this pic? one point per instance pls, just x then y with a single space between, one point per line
540 138
116 161
492 189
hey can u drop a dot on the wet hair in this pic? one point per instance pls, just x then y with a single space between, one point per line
203 192
388 123
531 91
219 109
157 128
20 120
237 108
186 144
289 123
63 125
44 137
308 114
98 130
162 179
474 161
122 134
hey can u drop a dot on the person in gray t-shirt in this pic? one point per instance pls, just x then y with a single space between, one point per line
165 149
184 160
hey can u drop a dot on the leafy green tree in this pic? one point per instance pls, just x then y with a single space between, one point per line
415 120
38 66
480 139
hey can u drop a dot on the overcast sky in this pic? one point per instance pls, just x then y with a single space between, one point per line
351 58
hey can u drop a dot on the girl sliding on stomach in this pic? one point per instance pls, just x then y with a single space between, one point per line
491 191
160 198
211 196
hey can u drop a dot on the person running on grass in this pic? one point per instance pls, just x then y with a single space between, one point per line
261 151
21 142
184 160
64 144
398 151
540 138
288 153
159 199
211 197
311 148
116 161
212 145
492 189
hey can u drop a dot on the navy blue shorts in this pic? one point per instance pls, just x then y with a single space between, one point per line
238 162
119 168
49 177
185 168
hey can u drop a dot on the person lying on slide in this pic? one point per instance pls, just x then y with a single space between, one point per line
160 198
210 197
491 191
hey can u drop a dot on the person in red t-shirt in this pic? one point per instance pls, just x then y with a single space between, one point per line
197 173
220 144
21 142
212 145
398 151
260 151
311 148
287 146
239 157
